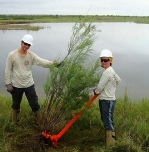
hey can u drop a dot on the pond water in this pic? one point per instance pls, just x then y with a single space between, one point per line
127 41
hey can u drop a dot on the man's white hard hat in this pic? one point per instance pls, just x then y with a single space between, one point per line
106 53
28 39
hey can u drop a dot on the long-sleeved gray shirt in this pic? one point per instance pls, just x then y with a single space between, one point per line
19 68
107 85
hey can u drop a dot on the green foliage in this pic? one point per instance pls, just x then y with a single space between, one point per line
20 27
132 117
14 19
87 134
68 86
125 145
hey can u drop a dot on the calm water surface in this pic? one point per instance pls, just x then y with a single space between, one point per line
127 41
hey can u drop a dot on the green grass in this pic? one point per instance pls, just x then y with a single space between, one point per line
20 27
70 18
6 20
87 133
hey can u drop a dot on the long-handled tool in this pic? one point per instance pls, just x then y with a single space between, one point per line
54 138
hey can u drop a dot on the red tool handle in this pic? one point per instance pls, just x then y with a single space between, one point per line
76 116
55 138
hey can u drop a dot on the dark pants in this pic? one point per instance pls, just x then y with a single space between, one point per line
30 94
106 111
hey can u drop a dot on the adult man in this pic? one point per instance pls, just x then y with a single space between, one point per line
19 79
106 89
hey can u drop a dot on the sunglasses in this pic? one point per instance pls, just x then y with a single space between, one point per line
26 44
104 60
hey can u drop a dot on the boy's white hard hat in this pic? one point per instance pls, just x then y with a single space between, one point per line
28 39
106 53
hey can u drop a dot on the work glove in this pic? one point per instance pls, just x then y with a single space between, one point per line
95 92
57 64
9 88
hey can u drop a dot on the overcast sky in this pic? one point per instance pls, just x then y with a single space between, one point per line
76 7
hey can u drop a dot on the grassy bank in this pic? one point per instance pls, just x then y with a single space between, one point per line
19 27
13 19
87 134
6 20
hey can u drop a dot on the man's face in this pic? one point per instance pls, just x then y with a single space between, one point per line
25 46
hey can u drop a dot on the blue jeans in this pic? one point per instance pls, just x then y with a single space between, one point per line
29 93
106 111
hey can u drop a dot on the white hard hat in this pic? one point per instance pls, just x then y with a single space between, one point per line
28 39
106 53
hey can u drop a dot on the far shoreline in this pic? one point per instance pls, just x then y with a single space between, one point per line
21 22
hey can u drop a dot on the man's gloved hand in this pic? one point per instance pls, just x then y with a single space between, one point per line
9 88
57 64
